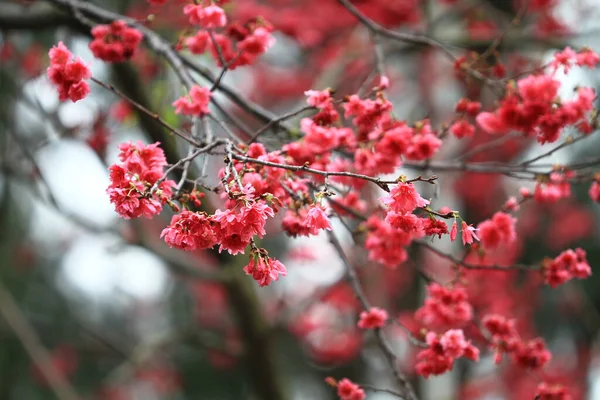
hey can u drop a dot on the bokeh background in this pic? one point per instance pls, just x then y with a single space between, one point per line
125 317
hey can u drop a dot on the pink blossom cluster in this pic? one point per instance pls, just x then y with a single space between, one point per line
534 109
307 221
211 16
442 351
348 390
567 265
238 45
445 307
231 229
568 57
402 200
467 110
194 104
556 187
373 318
497 231
505 339
68 75
116 42
142 167
264 269
547 391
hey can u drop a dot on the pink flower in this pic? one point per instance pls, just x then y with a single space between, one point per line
142 167
548 391
68 75
209 17
567 265
587 57
564 58
500 230
490 123
445 307
443 351
453 231
257 43
254 217
348 390
461 129
468 233
409 223
386 244
116 42
319 99
232 234
373 318
316 220
403 198
512 204
190 231
196 103
199 42
265 270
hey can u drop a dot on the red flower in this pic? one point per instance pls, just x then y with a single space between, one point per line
373 318
116 42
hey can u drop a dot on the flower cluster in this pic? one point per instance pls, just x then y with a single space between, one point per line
567 265
196 103
238 45
546 391
532 108
443 350
445 307
505 339
568 57
307 221
467 110
385 243
68 75
556 187
211 16
116 42
131 182
263 268
402 200
348 390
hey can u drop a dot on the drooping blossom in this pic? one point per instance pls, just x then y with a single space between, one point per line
468 233
497 231
190 231
567 265
211 16
373 318
264 269
403 198
68 74
194 104
348 390
445 307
